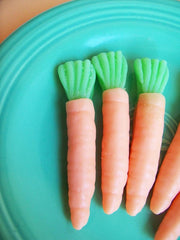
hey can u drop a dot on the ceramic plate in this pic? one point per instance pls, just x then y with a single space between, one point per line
33 140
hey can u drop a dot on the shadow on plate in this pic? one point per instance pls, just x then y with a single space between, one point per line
62 132
152 223
97 100
177 99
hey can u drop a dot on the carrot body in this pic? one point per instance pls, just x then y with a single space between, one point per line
81 159
168 180
169 229
145 149
115 147
111 69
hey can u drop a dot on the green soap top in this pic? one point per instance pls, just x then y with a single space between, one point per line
111 69
151 74
78 78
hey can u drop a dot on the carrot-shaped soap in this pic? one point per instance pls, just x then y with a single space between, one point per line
167 184
78 79
111 70
169 228
152 76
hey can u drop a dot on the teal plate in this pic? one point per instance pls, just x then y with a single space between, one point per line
33 140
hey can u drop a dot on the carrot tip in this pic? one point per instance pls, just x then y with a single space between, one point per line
133 212
79 217
157 212
157 209
111 203
134 206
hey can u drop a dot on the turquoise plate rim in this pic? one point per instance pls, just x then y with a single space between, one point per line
48 24
42 24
